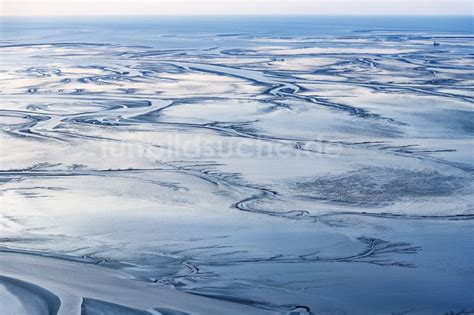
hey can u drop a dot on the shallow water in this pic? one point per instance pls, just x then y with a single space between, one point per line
318 165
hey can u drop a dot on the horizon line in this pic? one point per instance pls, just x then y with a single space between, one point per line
239 15
236 7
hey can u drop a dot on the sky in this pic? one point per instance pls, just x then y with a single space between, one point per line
234 7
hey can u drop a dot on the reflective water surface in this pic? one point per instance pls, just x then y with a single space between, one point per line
301 165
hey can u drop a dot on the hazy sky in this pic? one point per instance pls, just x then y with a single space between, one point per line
226 7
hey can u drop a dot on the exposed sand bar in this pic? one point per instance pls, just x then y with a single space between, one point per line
41 284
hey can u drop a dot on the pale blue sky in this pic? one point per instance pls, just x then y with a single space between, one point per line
226 7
